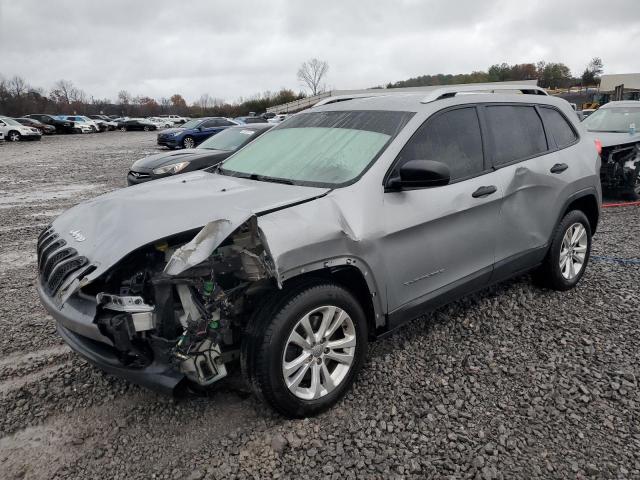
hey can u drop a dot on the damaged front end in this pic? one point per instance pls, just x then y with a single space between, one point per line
620 172
177 304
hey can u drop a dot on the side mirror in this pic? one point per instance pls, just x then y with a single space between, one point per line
420 174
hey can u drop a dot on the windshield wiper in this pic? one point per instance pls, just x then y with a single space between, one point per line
252 176
265 178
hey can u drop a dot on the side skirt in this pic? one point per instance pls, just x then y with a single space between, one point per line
501 271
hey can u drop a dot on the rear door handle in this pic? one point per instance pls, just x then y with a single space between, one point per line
484 191
559 168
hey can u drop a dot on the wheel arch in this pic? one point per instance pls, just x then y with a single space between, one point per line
354 277
587 203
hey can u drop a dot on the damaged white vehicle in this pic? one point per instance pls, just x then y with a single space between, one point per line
326 232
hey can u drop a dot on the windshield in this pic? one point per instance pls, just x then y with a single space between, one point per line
11 121
191 124
616 119
228 140
320 148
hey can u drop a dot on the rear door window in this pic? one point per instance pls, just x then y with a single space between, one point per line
558 127
453 138
516 133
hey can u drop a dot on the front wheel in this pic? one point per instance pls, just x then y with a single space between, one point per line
188 142
306 348
568 255
13 136
146 129
123 129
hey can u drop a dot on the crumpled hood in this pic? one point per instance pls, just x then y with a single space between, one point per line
614 138
112 225
147 164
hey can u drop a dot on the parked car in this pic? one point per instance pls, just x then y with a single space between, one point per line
329 230
14 131
61 126
82 124
209 153
42 127
175 119
161 122
108 122
616 125
136 124
194 132
278 118
587 111
250 119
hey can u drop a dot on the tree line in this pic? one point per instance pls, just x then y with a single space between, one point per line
18 97
549 75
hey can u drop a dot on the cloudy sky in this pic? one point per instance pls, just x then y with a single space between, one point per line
233 49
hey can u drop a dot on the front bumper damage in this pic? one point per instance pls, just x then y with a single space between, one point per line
620 172
76 326
156 325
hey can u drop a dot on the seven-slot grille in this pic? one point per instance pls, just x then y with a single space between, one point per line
56 261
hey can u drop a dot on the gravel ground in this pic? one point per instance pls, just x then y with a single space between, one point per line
514 382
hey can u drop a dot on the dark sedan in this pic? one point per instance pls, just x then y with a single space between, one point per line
193 132
43 127
61 126
210 152
136 124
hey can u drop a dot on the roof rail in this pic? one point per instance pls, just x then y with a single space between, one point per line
451 91
352 96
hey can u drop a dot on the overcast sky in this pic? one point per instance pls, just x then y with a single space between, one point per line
233 49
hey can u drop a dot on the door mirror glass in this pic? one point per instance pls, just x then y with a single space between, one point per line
420 174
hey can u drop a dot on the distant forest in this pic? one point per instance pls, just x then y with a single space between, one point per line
549 75
19 97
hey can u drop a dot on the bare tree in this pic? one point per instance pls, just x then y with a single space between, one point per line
205 102
124 97
63 92
311 74
18 86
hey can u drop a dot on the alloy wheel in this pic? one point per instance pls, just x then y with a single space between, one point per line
189 142
319 352
14 136
573 251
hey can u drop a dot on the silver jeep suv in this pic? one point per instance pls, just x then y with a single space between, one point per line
328 231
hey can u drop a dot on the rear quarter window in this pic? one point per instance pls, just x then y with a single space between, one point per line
558 127
516 133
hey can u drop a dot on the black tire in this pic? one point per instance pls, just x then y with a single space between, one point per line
14 136
549 274
146 129
123 129
265 340
188 142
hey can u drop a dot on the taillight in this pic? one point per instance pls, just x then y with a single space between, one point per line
598 146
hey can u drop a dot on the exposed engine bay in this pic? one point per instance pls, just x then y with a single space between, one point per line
620 172
190 320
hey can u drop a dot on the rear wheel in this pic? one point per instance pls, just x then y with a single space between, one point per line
568 254
14 136
188 142
306 348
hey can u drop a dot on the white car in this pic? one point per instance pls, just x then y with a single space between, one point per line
161 122
82 120
14 131
176 119
278 118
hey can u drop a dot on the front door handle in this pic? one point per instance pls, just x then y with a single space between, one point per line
559 168
484 191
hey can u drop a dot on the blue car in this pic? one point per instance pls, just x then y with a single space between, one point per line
193 132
